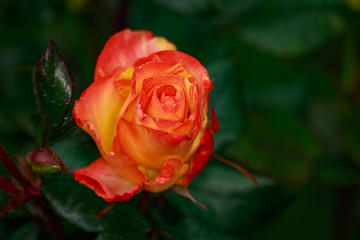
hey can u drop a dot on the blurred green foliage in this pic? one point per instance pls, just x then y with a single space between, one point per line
286 91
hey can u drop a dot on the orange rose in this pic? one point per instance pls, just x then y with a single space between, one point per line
147 112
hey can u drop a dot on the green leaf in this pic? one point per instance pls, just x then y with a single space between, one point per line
231 10
350 132
294 29
123 232
338 172
67 129
54 87
277 144
28 231
268 81
74 202
235 205
79 205
189 228
187 7
313 204
78 151
336 124
225 99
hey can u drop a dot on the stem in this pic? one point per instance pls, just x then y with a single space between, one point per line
144 206
13 170
51 221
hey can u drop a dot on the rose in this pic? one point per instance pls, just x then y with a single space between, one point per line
147 112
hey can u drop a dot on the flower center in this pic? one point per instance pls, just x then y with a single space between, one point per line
168 95
166 102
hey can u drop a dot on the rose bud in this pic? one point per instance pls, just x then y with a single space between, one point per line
147 112
45 161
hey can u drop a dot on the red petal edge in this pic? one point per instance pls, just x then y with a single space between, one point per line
170 173
205 151
214 125
201 158
106 182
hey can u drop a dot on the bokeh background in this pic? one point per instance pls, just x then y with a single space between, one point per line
286 91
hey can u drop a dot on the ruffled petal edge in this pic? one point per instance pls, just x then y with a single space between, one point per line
106 182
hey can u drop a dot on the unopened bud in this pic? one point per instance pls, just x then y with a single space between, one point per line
45 161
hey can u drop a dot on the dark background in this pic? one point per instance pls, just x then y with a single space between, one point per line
286 92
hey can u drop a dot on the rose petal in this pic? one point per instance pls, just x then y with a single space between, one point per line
152 70
166 102
191 64
152 148
147 77
200 160
97 112
106 182
147 71
214 125
124 47
122 82
205 151
100 105
124 165
169 174
189 126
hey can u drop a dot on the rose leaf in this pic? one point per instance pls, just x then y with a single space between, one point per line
54 88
